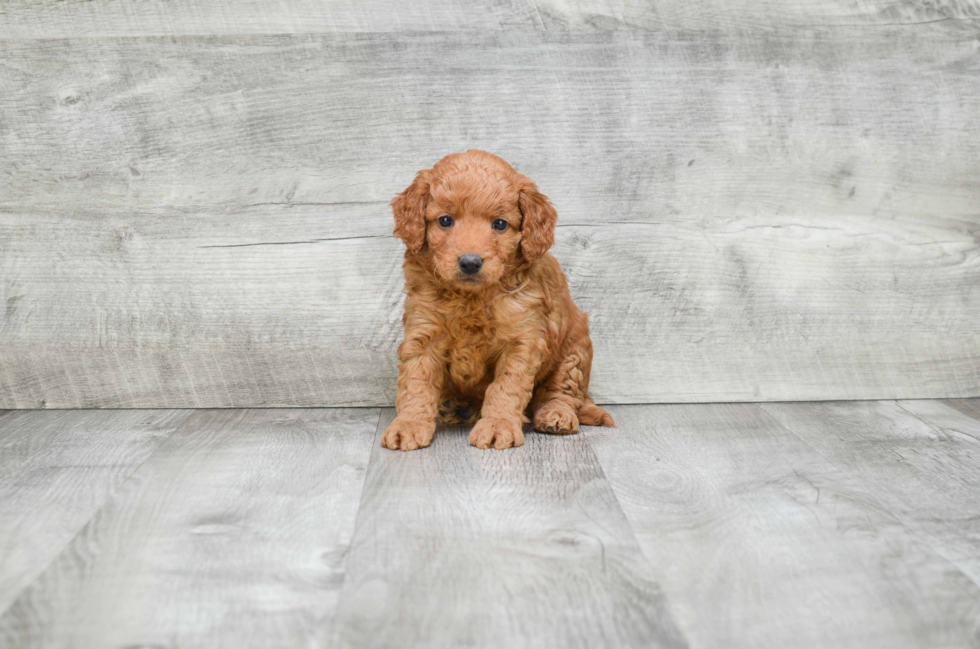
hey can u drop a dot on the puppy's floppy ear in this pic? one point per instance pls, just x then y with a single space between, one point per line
538 225
409 209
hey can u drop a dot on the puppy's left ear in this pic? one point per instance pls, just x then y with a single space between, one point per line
538 225
409 210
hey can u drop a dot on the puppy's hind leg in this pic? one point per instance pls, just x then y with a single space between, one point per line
557 399
592 415
457 410
556 416
562 401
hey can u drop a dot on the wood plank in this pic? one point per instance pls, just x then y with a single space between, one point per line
658 125
460 547
178 322
720 309
56 470
233 534
922 459
53 19
760 542
218 234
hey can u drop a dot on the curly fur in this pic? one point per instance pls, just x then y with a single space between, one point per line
490 348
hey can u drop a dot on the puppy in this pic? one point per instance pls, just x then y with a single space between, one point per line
490 327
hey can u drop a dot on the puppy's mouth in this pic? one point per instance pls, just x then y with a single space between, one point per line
470 280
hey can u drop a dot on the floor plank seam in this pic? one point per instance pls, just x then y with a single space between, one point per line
923 538
969 407
109 499
935 428
598 462
357 519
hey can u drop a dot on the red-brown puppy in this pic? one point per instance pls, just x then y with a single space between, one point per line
489 322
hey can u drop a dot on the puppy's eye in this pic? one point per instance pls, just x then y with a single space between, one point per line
446 221
499 225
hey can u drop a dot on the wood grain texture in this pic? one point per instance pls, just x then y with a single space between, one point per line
56 470
922 459
203 222
460 547
761 542
54 19
232 535
837 525
738 309
614 126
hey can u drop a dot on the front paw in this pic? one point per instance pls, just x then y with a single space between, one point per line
408 434
498 433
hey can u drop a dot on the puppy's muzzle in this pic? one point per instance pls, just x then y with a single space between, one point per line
470 264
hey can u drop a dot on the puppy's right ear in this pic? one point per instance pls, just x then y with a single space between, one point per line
409 209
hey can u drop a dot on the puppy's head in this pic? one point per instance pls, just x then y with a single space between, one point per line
473 219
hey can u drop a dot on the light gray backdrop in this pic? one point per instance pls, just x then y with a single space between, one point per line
757 200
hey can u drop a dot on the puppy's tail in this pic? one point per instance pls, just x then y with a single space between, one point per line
592 415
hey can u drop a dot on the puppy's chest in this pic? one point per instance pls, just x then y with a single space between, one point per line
472 347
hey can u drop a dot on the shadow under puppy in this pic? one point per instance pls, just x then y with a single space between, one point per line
490 327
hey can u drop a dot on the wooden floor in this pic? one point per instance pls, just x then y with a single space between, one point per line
833 524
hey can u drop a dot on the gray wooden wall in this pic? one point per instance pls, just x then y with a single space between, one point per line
758 200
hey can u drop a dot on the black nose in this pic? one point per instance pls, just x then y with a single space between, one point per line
470 264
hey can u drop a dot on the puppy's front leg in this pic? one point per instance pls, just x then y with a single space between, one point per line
502 415
420 377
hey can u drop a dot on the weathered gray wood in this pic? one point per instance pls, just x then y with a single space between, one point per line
175 321
718 310
921 458
615 126
761 542
769 217
239 530
460 547
969 407
56 470
54 19
232 535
